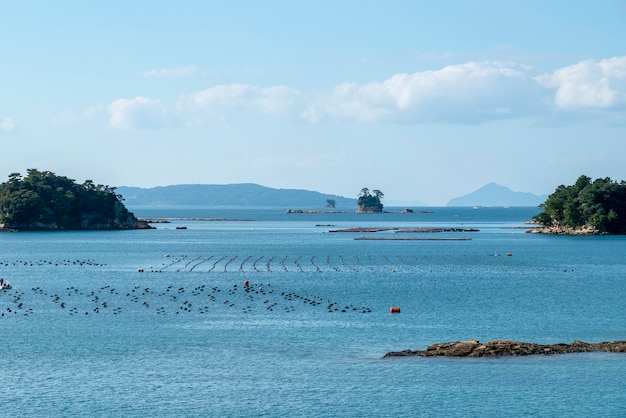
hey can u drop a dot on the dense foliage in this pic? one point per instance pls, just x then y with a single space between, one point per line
369 202
43 199
600 204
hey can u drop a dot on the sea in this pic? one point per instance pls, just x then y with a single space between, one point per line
263 313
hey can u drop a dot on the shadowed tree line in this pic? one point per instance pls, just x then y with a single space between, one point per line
600 204
44 200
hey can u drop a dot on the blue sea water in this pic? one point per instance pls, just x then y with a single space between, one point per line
86 333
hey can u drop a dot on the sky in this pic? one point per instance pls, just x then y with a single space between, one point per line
423 100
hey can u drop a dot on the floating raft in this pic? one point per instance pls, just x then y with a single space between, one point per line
409 239
400 230
168 220
362 229
435 230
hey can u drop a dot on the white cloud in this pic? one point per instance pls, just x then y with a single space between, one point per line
467 93
470 92
172 72
590 85
7 125
275 100
138 113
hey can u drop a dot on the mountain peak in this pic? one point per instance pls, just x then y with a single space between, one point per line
493 194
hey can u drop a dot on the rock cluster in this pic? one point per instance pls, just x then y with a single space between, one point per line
369 209
562 230
474 348
309 211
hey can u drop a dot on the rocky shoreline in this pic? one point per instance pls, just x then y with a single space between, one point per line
113 224
562 230
497 348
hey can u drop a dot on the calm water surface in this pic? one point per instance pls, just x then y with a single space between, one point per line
85 333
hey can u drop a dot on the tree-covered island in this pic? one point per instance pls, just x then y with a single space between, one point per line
586 207
44 201
369 202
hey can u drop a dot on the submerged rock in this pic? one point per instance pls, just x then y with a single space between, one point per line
474 348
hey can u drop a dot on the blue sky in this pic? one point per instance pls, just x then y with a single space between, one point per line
423 100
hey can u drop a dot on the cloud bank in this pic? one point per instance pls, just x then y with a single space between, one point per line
592 85
276 100
139 112
469 93
466 93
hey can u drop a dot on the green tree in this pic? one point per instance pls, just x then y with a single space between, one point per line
43 199
600 204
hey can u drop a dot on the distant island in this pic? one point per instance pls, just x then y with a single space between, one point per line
493 194
44 201
244 195
585 208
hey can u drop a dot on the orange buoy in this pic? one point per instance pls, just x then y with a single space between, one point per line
246 283
394 309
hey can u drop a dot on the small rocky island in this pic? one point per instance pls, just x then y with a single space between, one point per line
369 202
44 201
587 207
496 348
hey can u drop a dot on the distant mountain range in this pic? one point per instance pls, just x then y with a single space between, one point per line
249 195
493 194
245 195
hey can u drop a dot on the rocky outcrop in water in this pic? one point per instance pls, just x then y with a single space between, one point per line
474 348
